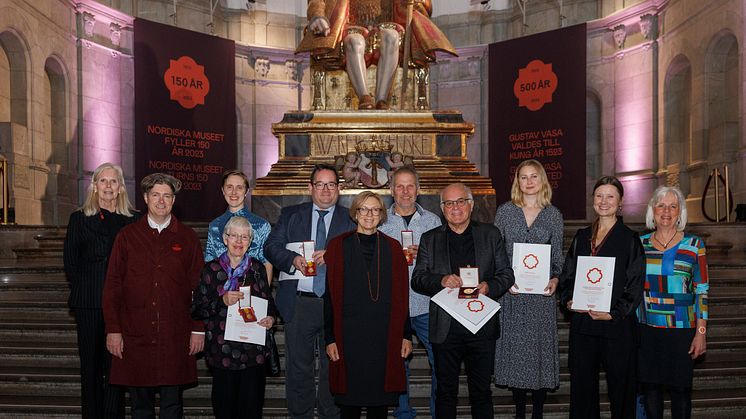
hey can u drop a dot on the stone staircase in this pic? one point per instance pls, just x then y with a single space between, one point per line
39 360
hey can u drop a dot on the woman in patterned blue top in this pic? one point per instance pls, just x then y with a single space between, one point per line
673 315
526 355
235 189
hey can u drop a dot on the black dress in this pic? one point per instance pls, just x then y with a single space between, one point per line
366 309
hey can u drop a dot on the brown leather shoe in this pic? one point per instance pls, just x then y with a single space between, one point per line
382 104
366 102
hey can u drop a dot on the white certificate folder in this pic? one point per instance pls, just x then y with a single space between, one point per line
594 281
531 267
472 313
237 330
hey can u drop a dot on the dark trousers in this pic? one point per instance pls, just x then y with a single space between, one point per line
304 338
238 394
478 355
355 412
618 358
681 401
98 398
142 400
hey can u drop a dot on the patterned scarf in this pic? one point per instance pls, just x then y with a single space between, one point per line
233 274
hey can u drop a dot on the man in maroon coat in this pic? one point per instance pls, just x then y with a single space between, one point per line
154 267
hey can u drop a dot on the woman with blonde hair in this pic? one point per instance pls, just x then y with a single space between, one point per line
366 314
88 242
526 355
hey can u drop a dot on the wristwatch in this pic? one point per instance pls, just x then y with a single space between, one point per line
701 330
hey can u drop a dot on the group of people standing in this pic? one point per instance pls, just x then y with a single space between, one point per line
143 291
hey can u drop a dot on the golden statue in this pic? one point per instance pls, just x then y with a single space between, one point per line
355 34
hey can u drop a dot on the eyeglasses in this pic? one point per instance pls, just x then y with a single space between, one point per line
325 185
369 211
238 237
457 203
157 196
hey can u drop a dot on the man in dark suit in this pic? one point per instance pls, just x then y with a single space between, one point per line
299 296
459 243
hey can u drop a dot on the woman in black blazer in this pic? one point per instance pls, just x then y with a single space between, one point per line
88 242
601 338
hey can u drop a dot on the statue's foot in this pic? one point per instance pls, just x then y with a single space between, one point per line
382 104
366 102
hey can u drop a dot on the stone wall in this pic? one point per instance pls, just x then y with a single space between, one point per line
665 88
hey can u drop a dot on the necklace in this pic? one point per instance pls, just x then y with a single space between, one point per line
378 270
665 245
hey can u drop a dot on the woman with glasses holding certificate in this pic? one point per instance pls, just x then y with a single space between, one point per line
526 356
366 314
235 280
601 283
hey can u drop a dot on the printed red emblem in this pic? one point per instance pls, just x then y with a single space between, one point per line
475 306
535 85
186 81
594 276
530 261
176 247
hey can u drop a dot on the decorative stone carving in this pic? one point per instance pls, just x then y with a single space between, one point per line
620 35
292 68
89 22
422 79
649 26
115 33
318 83
261 66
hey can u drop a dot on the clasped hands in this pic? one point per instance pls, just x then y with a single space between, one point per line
333 353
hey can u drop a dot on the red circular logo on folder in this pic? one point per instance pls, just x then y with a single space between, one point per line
186 81
594 275
535 85
530 261
475 306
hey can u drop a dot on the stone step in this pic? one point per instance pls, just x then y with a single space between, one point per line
710 403
65 381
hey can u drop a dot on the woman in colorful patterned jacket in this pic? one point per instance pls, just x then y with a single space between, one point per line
673 316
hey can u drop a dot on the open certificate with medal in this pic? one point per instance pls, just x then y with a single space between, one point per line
531 267
239 330
472 313
594 280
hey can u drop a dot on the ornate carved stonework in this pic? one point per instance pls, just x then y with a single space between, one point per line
620 35
374 143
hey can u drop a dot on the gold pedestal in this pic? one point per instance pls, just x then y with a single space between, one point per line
434 142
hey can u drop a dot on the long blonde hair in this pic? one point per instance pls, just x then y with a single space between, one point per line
123 205
544 198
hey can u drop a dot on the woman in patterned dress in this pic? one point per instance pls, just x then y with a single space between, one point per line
673 316
526 356
237 368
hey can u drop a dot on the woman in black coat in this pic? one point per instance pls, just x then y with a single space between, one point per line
605 338
88 242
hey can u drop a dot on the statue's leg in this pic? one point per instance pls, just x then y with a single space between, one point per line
355 53
387 63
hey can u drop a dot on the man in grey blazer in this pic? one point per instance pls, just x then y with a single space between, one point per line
459 243
299 297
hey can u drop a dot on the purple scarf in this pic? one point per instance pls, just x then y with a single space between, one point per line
231 284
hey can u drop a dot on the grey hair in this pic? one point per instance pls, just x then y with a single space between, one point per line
658 194
238 222
463 186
